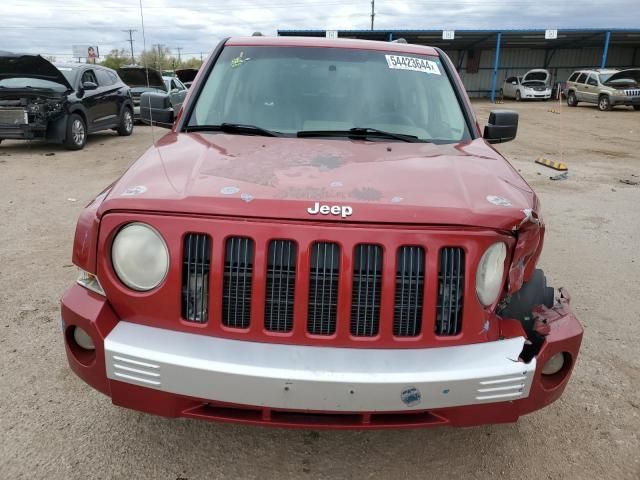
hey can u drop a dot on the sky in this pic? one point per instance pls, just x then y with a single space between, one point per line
51 28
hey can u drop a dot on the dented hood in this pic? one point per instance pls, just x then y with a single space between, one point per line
30 66
281 178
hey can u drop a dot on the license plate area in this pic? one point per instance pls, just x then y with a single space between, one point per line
13 116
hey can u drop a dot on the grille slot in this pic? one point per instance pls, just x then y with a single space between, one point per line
281 281
324 272
236 295
450 291
367 286
196 262
407 314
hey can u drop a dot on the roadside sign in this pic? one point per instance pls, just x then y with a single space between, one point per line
332 34
448 34
551 34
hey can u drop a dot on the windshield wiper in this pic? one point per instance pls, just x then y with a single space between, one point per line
359 132
234 128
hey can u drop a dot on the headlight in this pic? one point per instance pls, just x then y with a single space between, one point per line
490 272
140 257
620 93
554 365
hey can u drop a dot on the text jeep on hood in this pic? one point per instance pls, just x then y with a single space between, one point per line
324 238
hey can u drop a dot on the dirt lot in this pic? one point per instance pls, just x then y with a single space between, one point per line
53 426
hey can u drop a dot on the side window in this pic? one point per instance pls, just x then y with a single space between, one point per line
592 80
89 76
103 78
510 79
114 78
573 76
175 85
582 78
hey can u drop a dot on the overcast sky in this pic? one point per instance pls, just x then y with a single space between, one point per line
50 28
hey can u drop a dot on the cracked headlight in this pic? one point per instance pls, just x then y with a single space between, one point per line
490 273
140 257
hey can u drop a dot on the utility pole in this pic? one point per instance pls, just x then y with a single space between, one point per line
373 12
131 30
179 56
158 52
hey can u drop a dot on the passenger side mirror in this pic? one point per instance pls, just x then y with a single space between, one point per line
501 127
89 85
514 83
156 109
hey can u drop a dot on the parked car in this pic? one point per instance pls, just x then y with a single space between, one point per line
324 238
141 80
605 88
60 103
187 76
535 84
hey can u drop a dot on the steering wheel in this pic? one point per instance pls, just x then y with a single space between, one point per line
393 117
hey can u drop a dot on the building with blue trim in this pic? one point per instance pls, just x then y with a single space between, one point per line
484 58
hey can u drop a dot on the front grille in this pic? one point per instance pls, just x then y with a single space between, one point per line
367 288
281 282
632 93
450 291
196 259
407 314
236 295
324 273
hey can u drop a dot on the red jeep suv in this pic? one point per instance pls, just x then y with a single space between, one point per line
324 238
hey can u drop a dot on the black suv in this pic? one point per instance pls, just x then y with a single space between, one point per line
60 103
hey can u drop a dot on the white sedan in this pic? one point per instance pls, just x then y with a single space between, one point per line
535 84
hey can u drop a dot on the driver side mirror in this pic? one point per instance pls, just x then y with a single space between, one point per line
501 127
89 85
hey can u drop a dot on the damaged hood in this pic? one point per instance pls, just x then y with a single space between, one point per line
135 76
30 66
289 178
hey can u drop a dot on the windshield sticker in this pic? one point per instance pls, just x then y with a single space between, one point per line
414 64
239 60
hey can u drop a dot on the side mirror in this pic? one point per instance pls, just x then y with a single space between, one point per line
501 127
156 109
514 83
175 90
89 85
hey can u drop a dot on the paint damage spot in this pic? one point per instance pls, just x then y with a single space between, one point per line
247 197
230 190
396 199
137 190
336 184
326 162
367 194
500 201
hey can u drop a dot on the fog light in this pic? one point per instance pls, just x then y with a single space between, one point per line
554 365
83 339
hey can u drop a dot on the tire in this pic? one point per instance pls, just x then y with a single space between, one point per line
518 96
604 103
76 137
572 101
501 94
126 122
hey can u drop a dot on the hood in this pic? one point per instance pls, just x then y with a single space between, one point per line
623 78
536 75
281 178
30 66
187 74
135 76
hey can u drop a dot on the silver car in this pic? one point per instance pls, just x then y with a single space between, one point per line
605 88
535 84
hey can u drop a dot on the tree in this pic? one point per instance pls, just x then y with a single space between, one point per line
117 58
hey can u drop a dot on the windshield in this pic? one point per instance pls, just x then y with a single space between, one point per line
26 82
294 89
69 73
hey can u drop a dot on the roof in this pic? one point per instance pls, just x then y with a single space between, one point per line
320 41
481 38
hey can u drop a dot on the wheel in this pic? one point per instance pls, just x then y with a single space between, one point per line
501 94
604 103
126 123
518 96
572 101
76 137
635 107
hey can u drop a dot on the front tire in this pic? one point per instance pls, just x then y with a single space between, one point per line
518 96
604 103
76 137
572 101
126 122
501 94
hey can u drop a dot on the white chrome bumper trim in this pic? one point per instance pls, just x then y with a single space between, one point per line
317 378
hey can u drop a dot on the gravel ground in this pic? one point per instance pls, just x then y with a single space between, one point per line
54 426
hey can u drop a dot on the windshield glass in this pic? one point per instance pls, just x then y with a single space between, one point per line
25 82
293 89
69 73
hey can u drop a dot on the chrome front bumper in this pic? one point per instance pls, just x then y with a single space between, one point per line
316 378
